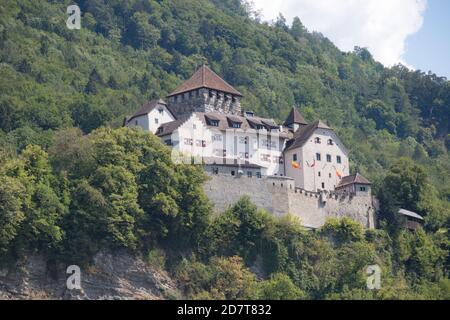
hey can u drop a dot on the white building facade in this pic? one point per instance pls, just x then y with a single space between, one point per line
204 122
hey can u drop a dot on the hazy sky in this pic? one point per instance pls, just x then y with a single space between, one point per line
413 32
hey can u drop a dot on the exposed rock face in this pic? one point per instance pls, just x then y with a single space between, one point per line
120 276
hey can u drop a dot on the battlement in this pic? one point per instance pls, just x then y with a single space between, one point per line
279 196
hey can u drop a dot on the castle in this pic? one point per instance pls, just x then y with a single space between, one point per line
296 167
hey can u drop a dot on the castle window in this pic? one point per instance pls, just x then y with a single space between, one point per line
319 174
265 157
224 153
317 140
323 185
156 120
294 157
233 173
217 137
258 175
318 157
362 189
249 174
330 142
188 141
168 142
211 94
328 158
200 143
161 110
214 123
236 125
243 140
329 175
338 159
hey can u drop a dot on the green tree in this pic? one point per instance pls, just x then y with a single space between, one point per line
13 197
280 287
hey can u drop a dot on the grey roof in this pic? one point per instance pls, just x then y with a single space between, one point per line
211 116
147 107
410 214
353 179
269 123
224 123
169 127
254 121
302 135
234 119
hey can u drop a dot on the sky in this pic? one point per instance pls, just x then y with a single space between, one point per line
415 33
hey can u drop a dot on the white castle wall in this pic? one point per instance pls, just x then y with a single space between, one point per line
279 196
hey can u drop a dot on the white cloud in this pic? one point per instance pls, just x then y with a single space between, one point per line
380 25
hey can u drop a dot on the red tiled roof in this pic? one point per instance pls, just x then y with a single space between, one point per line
205 78
352 179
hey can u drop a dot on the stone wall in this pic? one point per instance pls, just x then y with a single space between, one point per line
205 100
279 196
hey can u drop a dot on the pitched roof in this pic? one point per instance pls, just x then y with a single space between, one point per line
205 78
294 117
223 123
410 214
169 127
147 107
352 179
302 135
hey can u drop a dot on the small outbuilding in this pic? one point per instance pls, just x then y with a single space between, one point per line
412 219
354 184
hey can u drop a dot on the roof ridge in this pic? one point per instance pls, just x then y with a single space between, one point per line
295 117
205 77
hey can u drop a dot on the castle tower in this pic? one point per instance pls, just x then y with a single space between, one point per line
295 120
205 91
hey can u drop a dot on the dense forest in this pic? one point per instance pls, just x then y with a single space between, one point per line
72 182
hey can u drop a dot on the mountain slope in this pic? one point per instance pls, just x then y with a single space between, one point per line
131 51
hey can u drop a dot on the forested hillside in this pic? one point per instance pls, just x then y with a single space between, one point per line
63 191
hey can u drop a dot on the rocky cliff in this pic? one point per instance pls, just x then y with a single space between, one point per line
120 276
